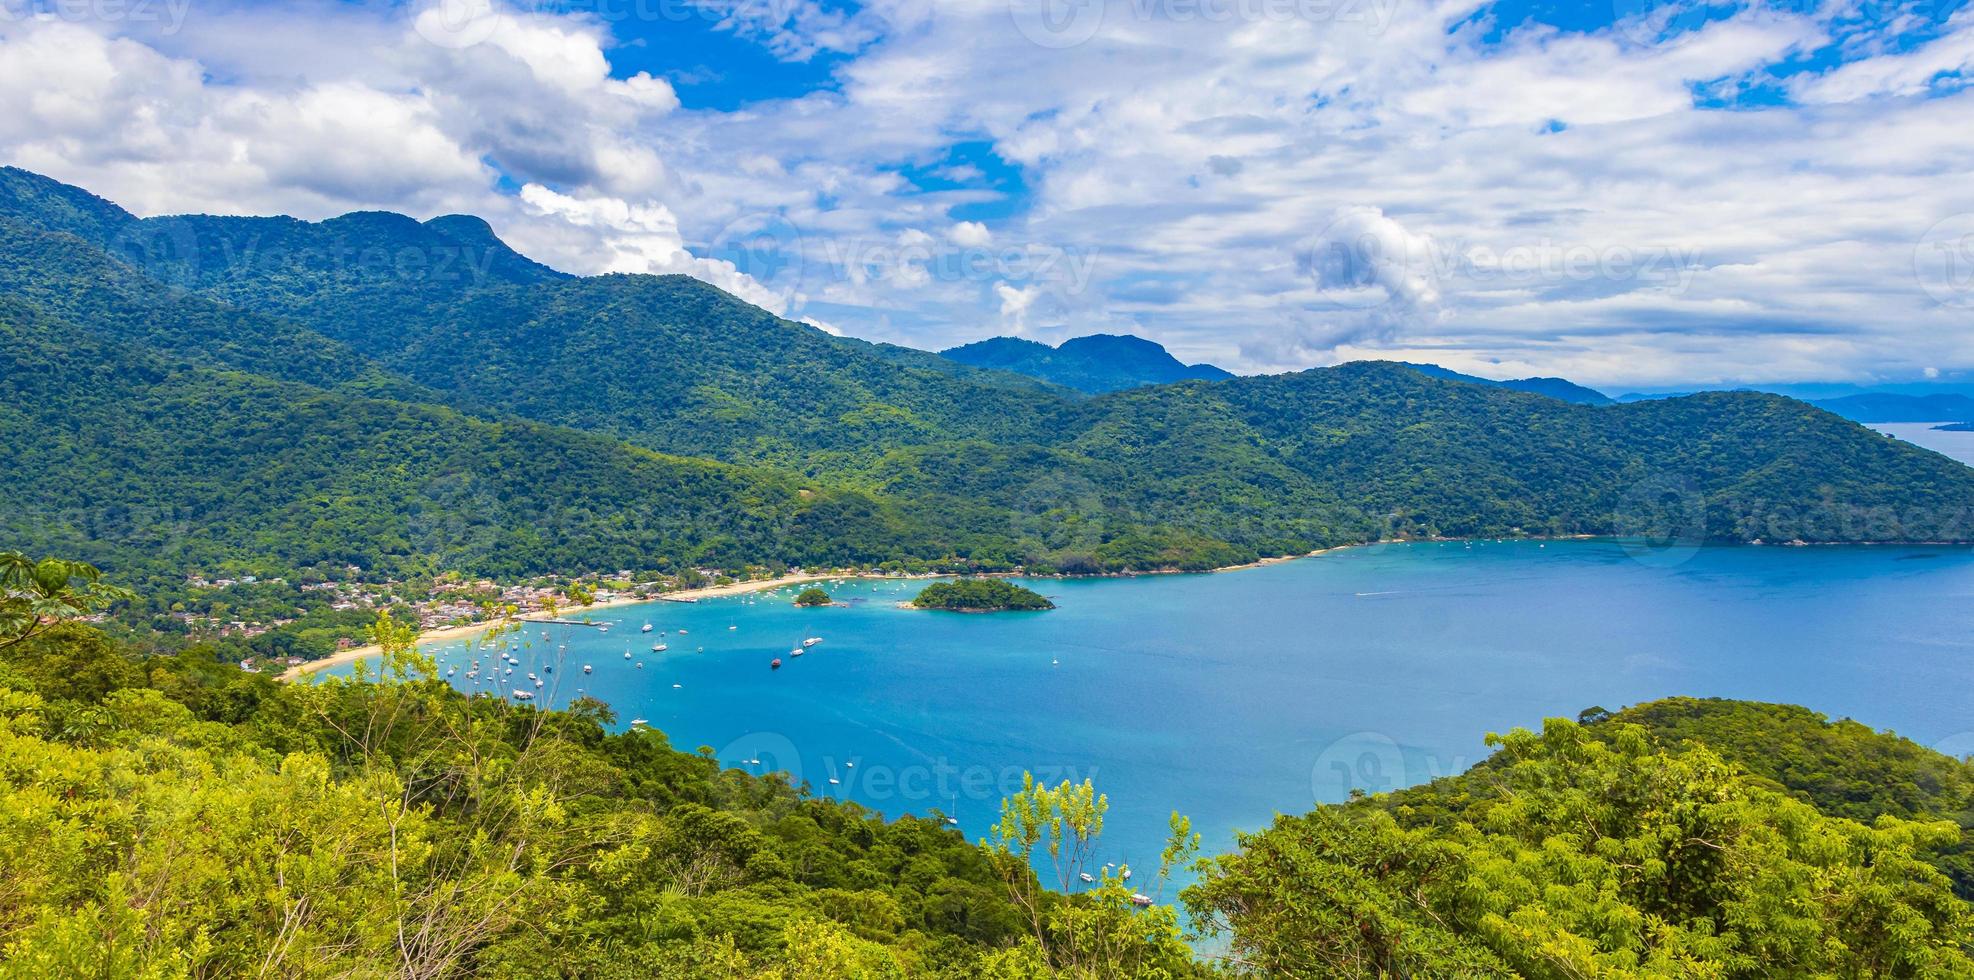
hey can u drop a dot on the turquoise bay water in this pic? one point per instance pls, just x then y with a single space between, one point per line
1233 696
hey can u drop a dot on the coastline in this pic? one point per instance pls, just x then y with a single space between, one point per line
762 585
464 630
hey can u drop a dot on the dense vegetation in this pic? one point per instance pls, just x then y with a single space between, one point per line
276 397
813 596
1606 850
980 595
176 817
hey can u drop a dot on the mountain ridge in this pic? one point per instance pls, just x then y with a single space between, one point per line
1093 364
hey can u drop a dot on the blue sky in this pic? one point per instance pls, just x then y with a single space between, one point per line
1630 193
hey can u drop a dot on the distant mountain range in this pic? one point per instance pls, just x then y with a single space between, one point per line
1883 407
1094 364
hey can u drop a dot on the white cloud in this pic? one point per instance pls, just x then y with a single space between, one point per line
1015 303
970 234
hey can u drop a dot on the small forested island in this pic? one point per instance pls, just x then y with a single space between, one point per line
980 595
813 596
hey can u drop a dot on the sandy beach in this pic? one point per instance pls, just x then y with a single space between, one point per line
474 629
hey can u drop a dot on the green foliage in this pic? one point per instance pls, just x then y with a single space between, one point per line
175 817
980 595
1842 768
1589 852
813 596
37 595
1101 932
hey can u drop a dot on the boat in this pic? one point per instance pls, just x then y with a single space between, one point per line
833 781
636 722
603 627
587 668
795 652
677 686
682 632
731 627
812 641
640 665
1141 900
627 655
774 664
659 648
955 821
1124 875
532 677
538 684
520 695
646 629
1086 878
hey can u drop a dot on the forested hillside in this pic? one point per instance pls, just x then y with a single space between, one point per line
403 395
1669 841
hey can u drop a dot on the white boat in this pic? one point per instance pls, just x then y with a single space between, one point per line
1141 900
812 641
627 655
638 722
659 647
587 668
646 629
640 665
532 677
520 695
1086 878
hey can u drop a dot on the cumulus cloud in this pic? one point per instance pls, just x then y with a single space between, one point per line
1015 303
970 234
640 238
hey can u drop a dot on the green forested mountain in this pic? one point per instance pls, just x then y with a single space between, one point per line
404 395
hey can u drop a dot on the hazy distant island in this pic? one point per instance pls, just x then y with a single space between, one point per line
980 595
1955 427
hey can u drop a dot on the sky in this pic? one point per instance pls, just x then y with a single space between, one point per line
1629 193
